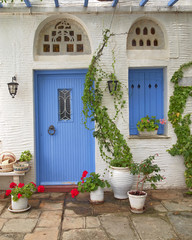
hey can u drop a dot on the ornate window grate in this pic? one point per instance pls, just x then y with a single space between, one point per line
63 37
64 104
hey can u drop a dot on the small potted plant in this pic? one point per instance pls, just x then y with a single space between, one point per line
147 171
92 184
22 164
20 194
148 126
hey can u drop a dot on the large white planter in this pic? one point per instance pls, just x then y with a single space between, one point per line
20 204
121 181
137 202
97 196
145 133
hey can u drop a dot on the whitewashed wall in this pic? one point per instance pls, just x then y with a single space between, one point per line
16 58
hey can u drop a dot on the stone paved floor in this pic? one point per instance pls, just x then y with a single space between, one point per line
57 216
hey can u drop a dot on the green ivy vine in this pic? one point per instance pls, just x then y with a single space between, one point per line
180 123
112 144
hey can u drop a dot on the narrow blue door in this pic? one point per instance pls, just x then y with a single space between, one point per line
65 148
145 96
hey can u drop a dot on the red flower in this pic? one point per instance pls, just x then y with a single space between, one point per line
74 192
8 192
12 185
82 181
33 183
41 189
20 185
19 195
84 174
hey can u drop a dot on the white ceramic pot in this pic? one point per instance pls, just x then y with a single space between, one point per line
21 203
137 202
148 134
121 181
97 196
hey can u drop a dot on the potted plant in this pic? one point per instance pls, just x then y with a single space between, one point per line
22 164
92 184
148 126
147 171
121 179
20 194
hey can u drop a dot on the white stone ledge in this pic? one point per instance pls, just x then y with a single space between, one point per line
148 137
120 9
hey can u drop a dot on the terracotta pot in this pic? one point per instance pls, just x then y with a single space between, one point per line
121 181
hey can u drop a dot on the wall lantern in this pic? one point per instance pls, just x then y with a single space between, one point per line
13 86
112 85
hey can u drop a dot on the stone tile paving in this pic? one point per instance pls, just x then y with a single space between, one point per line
57 216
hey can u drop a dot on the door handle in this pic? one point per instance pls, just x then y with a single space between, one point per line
51 130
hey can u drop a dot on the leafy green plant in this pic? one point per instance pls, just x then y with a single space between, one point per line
112 144
149 124
23 191
147 171
181 123
26 156
89 184
92 183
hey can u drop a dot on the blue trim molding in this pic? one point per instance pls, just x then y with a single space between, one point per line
56 3
172 2
86 3
143 2
114 4
28 4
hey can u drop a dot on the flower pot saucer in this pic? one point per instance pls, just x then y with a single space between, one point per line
18 210
96 202
134 210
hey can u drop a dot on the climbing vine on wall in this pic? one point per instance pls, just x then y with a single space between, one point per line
180 122
113 147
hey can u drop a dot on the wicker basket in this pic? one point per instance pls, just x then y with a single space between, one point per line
10 159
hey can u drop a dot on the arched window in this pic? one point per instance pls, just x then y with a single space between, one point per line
63 37
147 33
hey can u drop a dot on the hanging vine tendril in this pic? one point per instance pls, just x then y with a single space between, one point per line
180 123
112 144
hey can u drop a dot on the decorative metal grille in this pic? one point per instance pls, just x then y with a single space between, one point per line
64 104
63 37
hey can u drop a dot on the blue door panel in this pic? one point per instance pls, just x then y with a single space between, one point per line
62 157
145 96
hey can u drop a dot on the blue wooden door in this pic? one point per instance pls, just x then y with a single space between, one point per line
145 96
64 147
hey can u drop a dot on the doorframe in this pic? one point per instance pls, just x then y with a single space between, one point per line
37 73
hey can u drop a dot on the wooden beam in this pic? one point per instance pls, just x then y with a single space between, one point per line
86 3
56 3
1 5
28 4
143 2
114 4
172 2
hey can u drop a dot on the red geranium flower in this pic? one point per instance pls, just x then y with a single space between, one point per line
74 192
8 192
12 185
19 195
41 189
20 185
84 174
33 183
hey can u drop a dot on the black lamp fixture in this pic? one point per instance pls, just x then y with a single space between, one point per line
112 85
13 86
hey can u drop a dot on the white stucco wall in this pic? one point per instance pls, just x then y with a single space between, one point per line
16 58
